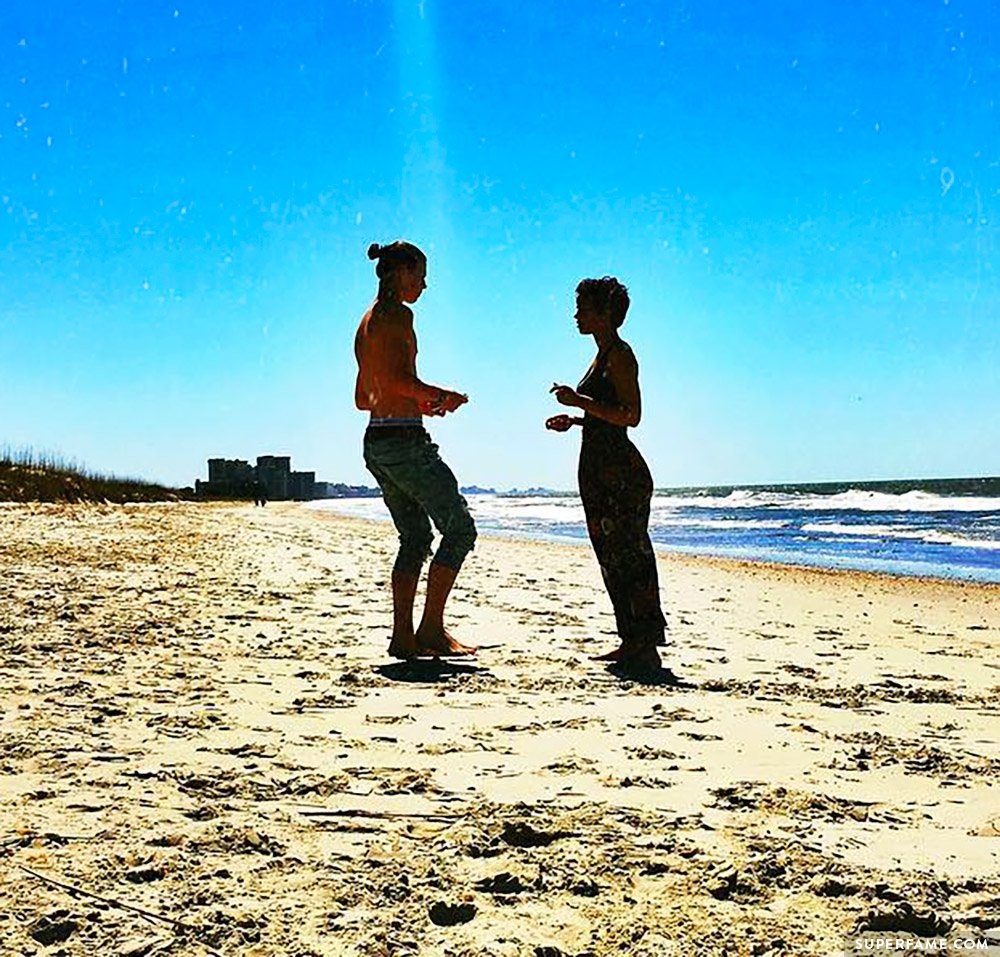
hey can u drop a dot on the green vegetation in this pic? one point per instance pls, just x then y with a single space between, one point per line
28 476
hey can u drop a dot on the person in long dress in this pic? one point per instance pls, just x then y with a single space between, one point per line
615 483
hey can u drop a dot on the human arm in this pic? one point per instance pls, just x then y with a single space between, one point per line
361 400
562 423
623 373
396 345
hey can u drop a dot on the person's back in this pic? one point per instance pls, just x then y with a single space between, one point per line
386 350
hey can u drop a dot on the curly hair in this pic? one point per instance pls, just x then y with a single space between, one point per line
607 295
390 258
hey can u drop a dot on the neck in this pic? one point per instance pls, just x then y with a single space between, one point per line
606 338
387 292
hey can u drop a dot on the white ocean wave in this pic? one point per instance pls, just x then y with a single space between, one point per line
665 508
536 510
833 543
913 501
930 535
851 500
665 521
569 511
963 541
838 528
569 508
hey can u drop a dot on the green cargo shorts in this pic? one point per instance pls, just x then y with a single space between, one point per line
418 488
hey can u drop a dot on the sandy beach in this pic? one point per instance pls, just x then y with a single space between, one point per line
202 735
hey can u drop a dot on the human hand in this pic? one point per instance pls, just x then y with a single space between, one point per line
445 401
452 400
565 395
559 423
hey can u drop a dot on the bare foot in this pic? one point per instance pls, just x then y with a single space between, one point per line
403 646
643 659
621 653
408 650
440 644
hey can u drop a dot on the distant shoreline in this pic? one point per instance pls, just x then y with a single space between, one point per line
907 533
709 558
987 486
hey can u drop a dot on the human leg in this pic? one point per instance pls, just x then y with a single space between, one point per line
604 553
617 490
431 635
450 514
430 482
631 577
403 642
414 530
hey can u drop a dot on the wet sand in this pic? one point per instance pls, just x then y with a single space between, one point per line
198 720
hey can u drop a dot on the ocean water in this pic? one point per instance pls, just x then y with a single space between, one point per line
942 529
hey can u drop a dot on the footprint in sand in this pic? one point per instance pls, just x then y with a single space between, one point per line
524 835
502 884
448 915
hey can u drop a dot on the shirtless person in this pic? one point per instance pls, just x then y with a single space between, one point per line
417 486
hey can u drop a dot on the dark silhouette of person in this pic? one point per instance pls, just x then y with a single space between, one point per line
259 493
615 483
417 486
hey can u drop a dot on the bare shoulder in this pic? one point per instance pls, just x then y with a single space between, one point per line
385 322
388 314
622 357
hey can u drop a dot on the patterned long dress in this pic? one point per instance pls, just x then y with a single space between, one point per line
616 488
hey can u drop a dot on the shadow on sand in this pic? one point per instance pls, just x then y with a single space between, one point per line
658 677
426 670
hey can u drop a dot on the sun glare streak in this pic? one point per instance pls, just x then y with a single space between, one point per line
424 173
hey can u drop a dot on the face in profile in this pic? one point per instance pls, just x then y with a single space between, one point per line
411 281
588 318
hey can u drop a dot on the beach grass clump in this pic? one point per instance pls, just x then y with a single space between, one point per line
27 475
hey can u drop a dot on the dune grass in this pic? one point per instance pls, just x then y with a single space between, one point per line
30 476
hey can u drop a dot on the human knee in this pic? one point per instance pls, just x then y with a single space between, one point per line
414 548
457 540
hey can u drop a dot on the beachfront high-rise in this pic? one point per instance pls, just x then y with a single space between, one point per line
272 476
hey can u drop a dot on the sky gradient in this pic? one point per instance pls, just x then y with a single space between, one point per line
802 201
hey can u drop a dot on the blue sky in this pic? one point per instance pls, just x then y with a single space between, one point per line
802 200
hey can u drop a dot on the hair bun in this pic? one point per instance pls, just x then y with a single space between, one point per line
374 251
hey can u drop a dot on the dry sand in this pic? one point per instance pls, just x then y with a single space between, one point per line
198 720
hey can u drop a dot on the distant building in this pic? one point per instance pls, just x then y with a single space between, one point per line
230 471
227 478
274 473
235 478
340 490
301 486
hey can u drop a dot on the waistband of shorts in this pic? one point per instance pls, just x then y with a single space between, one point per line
376 422
387 428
